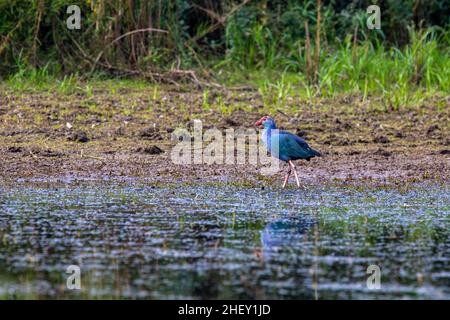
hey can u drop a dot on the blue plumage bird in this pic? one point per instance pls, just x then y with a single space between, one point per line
285 146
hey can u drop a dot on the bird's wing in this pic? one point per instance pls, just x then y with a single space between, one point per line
302 143
295 147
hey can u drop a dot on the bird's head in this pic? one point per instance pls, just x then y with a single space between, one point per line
266 122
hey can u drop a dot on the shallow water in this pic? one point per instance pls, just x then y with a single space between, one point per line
133 240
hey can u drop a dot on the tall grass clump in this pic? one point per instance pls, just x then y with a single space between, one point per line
399 75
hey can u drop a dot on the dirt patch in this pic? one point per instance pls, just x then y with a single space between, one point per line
108 138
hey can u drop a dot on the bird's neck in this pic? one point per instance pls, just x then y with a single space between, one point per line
267 133
269 127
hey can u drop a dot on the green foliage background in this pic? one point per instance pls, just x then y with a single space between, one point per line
263 43
260 34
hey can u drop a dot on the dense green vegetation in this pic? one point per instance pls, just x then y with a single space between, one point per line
306 48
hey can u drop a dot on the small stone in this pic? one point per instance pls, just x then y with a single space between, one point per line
79 136
150 133
383 152
50 153
381 139
302 133
432 129
231 122
15 149
150 150
119 131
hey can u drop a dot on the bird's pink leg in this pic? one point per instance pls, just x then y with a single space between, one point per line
287 177
295 173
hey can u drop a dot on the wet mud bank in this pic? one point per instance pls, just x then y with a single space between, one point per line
128 134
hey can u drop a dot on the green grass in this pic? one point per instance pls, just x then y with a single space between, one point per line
40 80
391 77
387 77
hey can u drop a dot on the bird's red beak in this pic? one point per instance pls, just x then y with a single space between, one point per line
260 122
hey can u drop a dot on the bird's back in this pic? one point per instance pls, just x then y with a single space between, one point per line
292 147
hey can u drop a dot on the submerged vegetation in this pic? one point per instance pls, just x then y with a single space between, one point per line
135 241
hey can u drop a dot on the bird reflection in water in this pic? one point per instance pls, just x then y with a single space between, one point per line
286 232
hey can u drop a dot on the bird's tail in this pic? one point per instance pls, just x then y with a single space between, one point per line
315 153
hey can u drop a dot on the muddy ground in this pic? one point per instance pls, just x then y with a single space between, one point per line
126 133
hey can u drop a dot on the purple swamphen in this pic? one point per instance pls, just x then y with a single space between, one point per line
290 146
